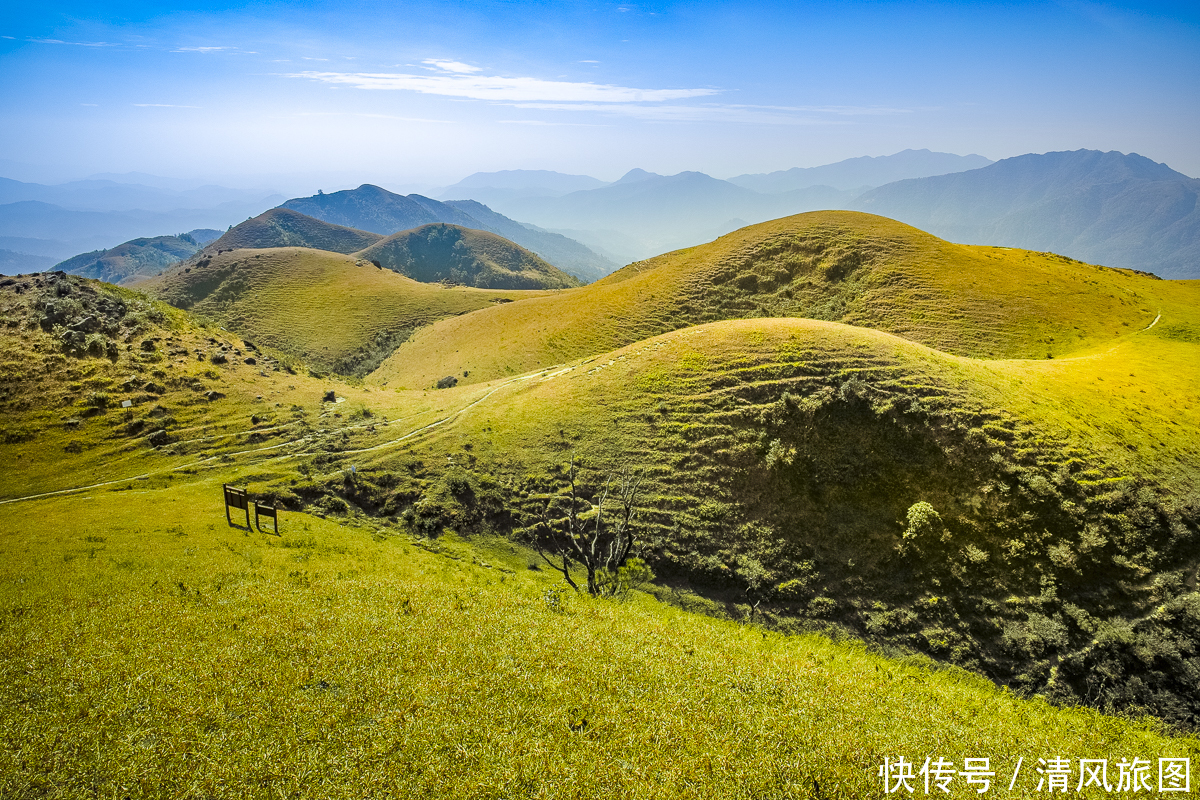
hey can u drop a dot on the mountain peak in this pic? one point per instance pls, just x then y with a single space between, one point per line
635 175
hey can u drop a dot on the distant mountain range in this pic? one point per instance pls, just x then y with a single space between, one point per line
1105 208
497 187
1108 208
371 208
40 222
655 213
855 173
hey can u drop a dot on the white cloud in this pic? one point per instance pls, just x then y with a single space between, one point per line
495 88
451 66
200 49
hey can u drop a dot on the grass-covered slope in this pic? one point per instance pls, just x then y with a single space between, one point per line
839 266
283 227
335 312
441 252
152 651
132 261
1035 520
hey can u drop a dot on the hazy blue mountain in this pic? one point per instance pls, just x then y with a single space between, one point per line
567 254
536 180
14 263
54 249
1106 208
39 228
637 175
490 188
374 209
654 213
109 195
865 171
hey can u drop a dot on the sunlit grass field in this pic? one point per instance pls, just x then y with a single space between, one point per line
150 650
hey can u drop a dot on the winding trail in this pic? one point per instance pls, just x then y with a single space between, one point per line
545 373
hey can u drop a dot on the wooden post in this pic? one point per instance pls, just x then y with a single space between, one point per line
236 498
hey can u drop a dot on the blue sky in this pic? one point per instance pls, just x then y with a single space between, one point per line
426 93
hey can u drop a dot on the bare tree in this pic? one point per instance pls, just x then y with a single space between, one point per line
591 536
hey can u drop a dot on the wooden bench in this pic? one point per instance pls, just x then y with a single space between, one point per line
261 510
236 498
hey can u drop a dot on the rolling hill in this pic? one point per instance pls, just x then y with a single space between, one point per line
281 227
1110 208
132 261
371 208
441 252
332 312
1030 519
840 266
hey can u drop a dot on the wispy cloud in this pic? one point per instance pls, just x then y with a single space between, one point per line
202 49
73 44
461 80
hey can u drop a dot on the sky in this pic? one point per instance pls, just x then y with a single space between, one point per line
301 95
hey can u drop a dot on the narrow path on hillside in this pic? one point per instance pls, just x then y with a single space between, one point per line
1152 324
208 462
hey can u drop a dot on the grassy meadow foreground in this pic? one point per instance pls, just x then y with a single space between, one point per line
949 488
153 651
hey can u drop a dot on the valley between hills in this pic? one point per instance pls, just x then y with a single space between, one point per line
900 496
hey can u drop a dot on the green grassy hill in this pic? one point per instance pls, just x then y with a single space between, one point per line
333 312
132 261
839 266
442 252
282 227
789 460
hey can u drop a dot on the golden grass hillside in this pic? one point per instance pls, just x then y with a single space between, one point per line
835 265
333 312
442 252
1034 520
149 650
